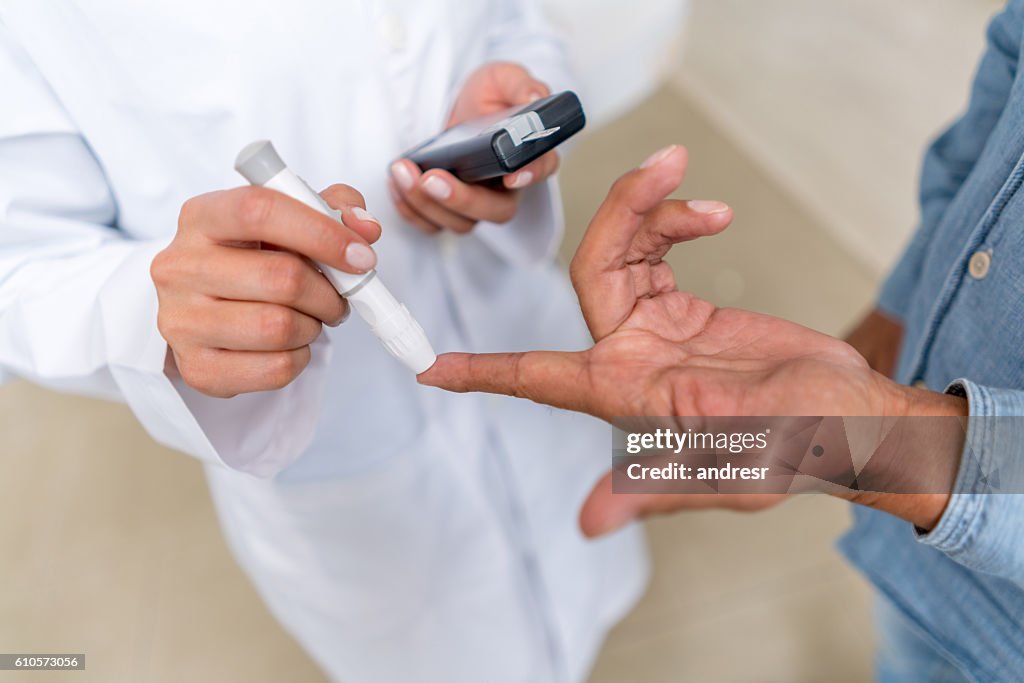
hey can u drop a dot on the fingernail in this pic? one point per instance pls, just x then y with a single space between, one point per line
364 215
402 176
521 180
702 206
360 256
437 188
344 316
658 157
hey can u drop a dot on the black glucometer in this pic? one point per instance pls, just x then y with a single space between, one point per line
502 143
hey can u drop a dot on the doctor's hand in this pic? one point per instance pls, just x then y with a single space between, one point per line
662 352
437 200
239 300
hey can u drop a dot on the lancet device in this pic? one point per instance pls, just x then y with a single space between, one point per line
389 320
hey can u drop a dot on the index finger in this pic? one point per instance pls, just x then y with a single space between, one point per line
558 379
247 214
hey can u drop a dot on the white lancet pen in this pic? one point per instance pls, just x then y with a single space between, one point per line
388 319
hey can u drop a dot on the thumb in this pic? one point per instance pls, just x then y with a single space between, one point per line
605 512
517 86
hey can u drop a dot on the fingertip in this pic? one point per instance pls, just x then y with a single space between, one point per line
362 222
708 208
361 258
438 185
533 91
520 180
673 154
405 174
604 512
346 312
663 171
439 374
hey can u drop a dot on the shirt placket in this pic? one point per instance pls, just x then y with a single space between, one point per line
974 260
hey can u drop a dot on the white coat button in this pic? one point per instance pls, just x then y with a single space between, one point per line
980 264
392 31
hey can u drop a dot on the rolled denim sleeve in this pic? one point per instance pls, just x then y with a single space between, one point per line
951 158
983 526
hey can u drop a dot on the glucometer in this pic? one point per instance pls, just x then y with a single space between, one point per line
502 143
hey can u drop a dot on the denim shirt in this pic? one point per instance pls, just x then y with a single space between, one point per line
959 291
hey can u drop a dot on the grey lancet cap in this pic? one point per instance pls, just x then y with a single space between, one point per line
258 162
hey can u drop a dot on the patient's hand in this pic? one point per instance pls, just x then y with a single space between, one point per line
662 352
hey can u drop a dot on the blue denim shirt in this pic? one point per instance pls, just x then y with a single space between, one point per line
962 585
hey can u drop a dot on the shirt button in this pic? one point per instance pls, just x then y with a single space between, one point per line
392 31
980 264
921 384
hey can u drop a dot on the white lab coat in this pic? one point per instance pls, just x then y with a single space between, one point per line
400 533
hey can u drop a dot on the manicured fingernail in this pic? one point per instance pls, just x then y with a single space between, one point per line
702 206
437 188
364 215
360 256
658 157
521 180
402 176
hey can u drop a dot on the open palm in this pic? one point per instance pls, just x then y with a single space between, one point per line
659 351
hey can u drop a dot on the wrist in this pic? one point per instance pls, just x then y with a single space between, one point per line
930 449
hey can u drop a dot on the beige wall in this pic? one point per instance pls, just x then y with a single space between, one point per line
837 98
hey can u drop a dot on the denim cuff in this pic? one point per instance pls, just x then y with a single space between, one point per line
977 528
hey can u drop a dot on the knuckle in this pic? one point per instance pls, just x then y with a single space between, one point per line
188 215
162 268
255 206
198 374
619 188
286 278
283 368
277 326
167 325
329 238
505 212
554 162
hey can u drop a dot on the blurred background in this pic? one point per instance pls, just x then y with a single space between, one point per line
808 117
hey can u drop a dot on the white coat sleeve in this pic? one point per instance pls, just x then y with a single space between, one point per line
519 33
78 308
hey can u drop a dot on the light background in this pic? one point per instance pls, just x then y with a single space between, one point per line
808 117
